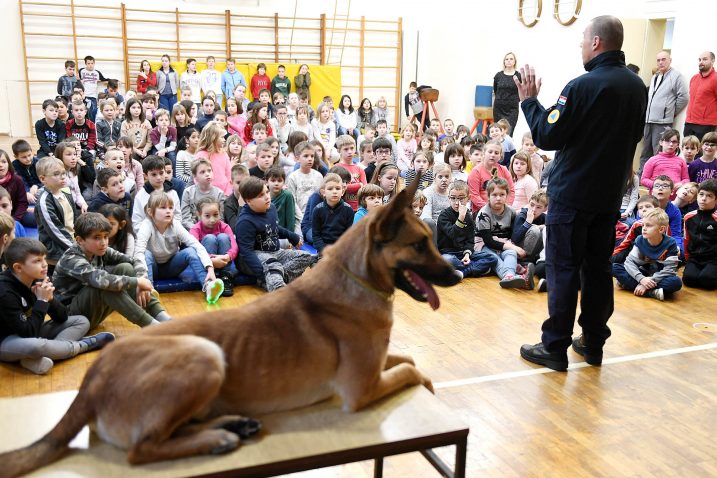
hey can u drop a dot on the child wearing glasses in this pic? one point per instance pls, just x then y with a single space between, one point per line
705 167
456 235
662 190
667 162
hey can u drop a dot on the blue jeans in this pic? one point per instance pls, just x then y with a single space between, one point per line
167 102
577 257
354 132
481 263
187 257
505 261
217 246
28 220
668 285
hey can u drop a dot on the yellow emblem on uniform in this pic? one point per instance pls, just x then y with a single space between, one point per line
553 116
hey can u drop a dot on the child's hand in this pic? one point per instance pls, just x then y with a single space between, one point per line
462 209
210 274
466 259
83 208
144 284
640 290
529 217
31 198
161 153
623 215
299 244
44 290
219 262
648 283
163 130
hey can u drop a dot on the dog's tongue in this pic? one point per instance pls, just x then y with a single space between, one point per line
425 288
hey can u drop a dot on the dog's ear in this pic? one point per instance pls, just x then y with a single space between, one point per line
389 219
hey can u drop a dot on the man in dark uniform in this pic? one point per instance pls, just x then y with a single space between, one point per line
595 126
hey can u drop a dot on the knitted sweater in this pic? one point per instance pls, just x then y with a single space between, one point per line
669 165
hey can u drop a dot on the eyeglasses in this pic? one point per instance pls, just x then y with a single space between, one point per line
709 145
661 186
382 151
457 199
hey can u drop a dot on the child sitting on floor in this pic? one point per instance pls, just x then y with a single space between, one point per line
84 285
495 227
488 169
27 295
370 196
258 233
650 269
159 247
529 224
456 235
202 175
686 198
644 204
701 239
332 217
281 198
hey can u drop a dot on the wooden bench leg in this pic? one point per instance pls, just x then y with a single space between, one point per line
378 468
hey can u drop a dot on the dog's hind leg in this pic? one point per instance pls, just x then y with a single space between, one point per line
394 359
357 394
242 426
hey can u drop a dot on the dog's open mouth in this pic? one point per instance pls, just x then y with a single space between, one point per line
417 287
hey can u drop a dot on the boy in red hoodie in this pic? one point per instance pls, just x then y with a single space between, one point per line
260 81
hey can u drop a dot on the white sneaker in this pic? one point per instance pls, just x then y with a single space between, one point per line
213 290
658 294
39 366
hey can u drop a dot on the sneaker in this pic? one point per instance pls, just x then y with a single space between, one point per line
228 281
39 366
96 342
593 356
213 289
537 354
512 282
658 294
460 274
543 285
528 277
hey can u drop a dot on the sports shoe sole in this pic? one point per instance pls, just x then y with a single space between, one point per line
215 292
517 283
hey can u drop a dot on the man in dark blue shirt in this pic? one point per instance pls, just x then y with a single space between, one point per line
595 126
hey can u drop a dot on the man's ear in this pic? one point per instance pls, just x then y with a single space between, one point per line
390 218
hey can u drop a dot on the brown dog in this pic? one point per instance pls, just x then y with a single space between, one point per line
176 389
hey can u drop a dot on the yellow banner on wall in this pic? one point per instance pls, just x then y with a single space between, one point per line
325 79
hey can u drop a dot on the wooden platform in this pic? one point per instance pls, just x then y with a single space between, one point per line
298 440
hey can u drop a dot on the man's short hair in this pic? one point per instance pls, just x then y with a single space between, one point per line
367 191
104 175
200 162
658 215
709 185
88 58
497 183
47 103
648 198
345 140
90 222
275 172
610 31
21 248
152 163
20 146
252 187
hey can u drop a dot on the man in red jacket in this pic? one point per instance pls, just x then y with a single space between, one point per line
702 108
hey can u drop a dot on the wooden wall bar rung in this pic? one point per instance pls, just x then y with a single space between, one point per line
265 28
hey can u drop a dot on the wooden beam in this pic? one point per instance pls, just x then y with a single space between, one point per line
228 32
399 56
322 39
74 35
125 48
361 57
276 37
176 32
27 71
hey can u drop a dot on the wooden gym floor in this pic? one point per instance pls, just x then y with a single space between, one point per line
647 412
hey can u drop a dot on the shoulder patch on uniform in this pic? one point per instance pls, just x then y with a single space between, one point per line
562 100
553 116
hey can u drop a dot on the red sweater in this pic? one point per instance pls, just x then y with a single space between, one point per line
86 133
477 180
358 179
702 108
258 83
14 185
143 84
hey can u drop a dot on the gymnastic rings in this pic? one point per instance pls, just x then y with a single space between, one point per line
529 11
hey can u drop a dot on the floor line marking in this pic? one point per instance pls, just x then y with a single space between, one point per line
573 366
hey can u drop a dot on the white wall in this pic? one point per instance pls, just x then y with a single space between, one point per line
459 47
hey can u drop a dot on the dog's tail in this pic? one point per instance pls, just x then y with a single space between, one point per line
52 446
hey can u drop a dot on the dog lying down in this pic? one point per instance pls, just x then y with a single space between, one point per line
183 388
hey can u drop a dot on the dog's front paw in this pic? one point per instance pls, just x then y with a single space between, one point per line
426 382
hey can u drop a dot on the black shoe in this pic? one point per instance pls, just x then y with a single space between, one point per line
593 356
537 354
228 281
543 285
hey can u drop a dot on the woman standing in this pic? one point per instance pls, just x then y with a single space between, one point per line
146 77
167 84
505 93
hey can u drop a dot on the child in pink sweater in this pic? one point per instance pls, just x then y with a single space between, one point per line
218 239
486 170
211 147
667 162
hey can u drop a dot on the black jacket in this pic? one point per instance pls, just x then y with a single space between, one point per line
596 124
21 314
454 236
329 223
